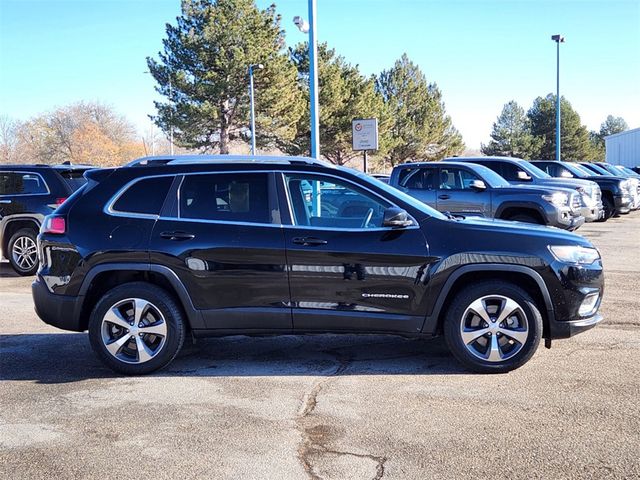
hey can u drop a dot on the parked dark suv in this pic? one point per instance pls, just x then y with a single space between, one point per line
470 189
27 194
144 255
615 195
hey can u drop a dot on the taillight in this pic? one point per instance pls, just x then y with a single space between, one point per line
60 201
55 225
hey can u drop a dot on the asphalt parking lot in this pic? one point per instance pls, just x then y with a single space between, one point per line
330 407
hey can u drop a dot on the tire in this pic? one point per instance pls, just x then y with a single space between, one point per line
22 251
136 349
609 208
515 338
526 218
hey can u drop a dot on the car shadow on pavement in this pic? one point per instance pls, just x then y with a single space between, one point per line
67 357
6 271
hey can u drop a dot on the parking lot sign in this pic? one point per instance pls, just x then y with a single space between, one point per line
365 134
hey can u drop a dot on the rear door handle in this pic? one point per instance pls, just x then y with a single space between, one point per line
444 196
177 236
309 241
5 201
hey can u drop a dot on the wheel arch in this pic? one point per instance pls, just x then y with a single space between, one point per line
12 223
103 278
507 209
520 275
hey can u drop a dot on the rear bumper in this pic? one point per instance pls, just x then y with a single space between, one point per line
59 311
571 328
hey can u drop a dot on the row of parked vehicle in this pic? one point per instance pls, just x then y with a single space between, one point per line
163 248
558 194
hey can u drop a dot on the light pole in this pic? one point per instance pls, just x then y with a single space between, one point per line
259 66
310 27
558 39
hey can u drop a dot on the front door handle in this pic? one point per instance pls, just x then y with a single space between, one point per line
309 241
5 201
444 196
177 236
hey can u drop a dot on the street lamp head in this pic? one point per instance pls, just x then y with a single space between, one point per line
259 66
557 38
302 24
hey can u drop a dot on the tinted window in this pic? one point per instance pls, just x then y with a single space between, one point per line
21 183
328 202
233 197
145 196
421 179
456 179
74 178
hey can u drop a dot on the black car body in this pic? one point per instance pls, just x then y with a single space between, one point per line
474 190
630 184
28 193
520 172
615 194
220 246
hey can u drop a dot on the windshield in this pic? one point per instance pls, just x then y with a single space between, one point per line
535 171
625 170
598 169
577 169
395 193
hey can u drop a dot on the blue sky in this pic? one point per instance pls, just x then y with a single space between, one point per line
480 53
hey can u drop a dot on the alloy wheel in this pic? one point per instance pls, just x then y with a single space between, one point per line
25 253
134 330
494 328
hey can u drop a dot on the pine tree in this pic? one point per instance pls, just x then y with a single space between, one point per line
344 94
575 144
511 135
421 129
203 73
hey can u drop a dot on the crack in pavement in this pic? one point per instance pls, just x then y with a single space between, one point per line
314 436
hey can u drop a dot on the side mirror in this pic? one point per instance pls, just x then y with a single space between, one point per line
396 218
524 176
478 185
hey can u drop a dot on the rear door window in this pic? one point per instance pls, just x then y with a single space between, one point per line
230 197
22 183
144 197
420 179
74 178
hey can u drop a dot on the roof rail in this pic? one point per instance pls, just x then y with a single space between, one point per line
209 159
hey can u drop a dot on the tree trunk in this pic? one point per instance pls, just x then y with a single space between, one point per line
224 132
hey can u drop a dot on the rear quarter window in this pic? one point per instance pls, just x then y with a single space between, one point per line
146 196
22 183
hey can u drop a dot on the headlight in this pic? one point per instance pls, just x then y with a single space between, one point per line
559 199
575 254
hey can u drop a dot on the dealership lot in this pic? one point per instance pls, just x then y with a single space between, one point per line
327 406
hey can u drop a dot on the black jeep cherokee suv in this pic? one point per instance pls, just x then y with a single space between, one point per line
28 193
144 254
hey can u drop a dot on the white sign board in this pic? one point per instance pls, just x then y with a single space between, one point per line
365 134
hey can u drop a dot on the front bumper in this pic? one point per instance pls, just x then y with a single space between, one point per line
60 311
592 213
571 328
622 203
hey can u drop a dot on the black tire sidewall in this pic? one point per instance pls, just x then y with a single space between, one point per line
23 232
464 299
162 300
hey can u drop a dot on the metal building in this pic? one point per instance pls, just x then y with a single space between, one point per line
623 148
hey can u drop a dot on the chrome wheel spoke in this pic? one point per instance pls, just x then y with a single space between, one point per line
116 346
139 306
519 336
469 336
480 308
509 307
155 329
144 352
114 316
494 352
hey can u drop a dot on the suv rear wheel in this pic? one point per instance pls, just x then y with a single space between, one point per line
136 328
493 327
23 251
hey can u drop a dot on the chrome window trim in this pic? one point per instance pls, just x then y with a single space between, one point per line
108 209
339 229
26 194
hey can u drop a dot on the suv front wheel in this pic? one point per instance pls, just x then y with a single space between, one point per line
136 328
493 327
23 251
